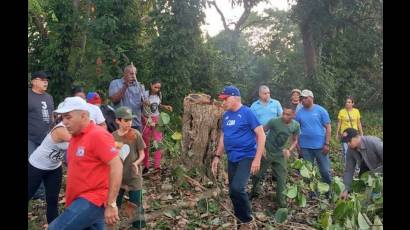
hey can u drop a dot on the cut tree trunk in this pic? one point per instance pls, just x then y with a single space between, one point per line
200 133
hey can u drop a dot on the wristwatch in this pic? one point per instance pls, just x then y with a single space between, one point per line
113 204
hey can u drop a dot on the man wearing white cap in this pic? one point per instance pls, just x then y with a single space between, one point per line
315 133
94 171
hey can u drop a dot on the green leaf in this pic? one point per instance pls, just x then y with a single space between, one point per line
301 200
170 213
292 191
281 215
378 225
165 118
323 187
312 186
326 220
176 136
297 164
348 224
363 225
335 227
341 209
304 172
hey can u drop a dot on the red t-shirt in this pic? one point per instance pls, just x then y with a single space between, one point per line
88 172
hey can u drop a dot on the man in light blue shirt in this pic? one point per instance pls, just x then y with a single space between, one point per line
266 108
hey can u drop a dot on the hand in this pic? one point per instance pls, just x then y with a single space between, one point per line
169 108
344 195
214 168
256 164
111 215
325 149
286 153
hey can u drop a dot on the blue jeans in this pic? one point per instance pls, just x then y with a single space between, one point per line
40 192
322 160
81 214
238 175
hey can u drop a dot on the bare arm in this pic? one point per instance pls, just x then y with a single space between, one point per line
118 95
328 132
295 140
261 138
111 213
141 157
60 134
359 125
218 154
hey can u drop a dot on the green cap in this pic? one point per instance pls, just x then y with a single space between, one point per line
123 112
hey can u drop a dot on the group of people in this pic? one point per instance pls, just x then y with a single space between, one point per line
255 139
103 147
106 148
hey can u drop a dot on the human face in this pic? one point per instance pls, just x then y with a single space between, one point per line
39 84
81 94
295 97
130 75
354 142
156 87
229 103
288 115
124 124
349 104
306 101
74 121
264 95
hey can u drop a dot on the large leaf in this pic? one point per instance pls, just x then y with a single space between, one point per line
301 200
323 187
378 225
164 118
297 164
341 210
281 215
326 220
292 191
304 172
363 225
176 136
170 213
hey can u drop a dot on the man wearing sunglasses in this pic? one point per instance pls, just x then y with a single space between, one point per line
315 133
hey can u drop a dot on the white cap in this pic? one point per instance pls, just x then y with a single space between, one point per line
71 104
306 93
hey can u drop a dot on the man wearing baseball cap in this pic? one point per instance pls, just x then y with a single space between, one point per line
315 133
241 133
40 108
366 151
94 171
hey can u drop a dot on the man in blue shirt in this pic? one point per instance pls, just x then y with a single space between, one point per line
127 91
240 132
266 108
315 133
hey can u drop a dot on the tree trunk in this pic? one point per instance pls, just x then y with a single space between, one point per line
309 49
200 133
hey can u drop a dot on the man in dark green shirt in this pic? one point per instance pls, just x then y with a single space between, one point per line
280 129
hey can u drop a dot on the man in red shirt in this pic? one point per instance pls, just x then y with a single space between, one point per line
94 171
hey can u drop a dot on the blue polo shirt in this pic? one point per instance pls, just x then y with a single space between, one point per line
265 112
239 136
312 130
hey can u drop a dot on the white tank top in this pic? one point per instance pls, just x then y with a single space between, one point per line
48 155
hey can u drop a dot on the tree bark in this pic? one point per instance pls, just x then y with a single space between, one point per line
309 49
200 132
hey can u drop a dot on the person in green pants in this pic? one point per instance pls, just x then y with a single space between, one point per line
280 129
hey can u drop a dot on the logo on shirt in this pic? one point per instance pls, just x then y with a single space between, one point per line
239 115
230 123
227 117
80 151
44 112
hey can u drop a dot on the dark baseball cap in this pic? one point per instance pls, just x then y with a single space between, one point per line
229 91
124 112
39 74
348 134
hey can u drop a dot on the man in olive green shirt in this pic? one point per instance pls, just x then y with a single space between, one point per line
280 129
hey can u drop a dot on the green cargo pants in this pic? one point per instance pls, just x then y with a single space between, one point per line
279 170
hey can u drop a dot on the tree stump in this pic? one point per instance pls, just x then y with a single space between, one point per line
200 133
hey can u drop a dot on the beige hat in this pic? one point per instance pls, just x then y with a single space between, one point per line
306 93
295 90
